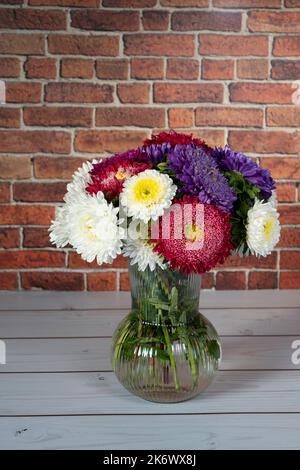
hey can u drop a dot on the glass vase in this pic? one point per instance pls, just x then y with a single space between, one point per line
165 350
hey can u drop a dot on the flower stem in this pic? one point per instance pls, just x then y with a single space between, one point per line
171 356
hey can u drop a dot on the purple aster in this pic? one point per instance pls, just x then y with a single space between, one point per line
227 159
157 152
199 174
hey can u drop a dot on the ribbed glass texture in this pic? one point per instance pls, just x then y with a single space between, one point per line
165 350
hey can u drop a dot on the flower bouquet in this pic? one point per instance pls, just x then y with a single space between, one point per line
176 208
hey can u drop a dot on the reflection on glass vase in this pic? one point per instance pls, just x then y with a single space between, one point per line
164 350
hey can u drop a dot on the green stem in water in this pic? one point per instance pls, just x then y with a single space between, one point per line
171 356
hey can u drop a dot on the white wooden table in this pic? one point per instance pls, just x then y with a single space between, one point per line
57 390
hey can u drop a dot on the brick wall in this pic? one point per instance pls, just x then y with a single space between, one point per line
86 77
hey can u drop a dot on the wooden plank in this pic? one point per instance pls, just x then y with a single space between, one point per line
119 300
151 432
87 323
101 393
92 354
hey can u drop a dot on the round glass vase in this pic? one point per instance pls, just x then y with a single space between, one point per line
165 350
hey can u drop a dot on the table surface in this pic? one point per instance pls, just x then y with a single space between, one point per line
57 390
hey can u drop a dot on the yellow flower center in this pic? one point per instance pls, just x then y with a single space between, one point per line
88 228
268 227
147 191
194 233
121 174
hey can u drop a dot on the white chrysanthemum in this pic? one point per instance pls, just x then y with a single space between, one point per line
142 254
147 195
263 228
94 228
80 180
59 229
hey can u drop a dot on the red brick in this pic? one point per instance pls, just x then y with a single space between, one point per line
155 20
263 93
217 69
285 69
207 281
15 167
100 20
229 116
9 237
66 3
213 137
58 116
290 259
286 46
92 141
37 67
185 3
112 69
159 44
36 237
292 3
288 116
182 69
283 167
124 282
62 168
247 3
289 237
22 43
286 192
102 281
34 141
83 45
290 280
70 92
9 117
134 92
136 116
289 214
238 45
208 20
275 21
26 214
257 69
232 280
251 261
26 18
4 192
188 93
147 68
181 117
9 67
23 92
53 280
128 3
8 281
265 141
31 259
77 68
76 262
39 192
263 280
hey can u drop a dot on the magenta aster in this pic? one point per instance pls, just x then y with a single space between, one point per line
110 174
201 245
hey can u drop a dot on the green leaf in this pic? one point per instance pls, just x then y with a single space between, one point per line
214 349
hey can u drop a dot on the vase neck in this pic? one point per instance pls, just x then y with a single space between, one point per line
164 296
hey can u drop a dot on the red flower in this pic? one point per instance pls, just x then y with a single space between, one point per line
110 174
173 138
198 238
